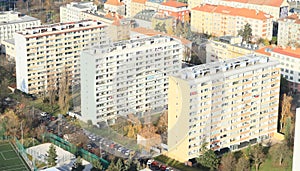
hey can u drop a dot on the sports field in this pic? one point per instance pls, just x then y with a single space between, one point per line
9 159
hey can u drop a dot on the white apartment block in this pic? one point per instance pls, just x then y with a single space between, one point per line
11 22
227 104
45 53
127 77
289 58
73 11
289 30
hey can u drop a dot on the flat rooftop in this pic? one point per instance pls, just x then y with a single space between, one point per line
21 19
59 28
128 44
212 68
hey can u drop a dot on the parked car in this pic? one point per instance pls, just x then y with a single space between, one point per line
149 162
44 114
163 167
169 169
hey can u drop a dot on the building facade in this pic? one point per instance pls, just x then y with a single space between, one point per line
11 22
175 9
73 11
118 26
289 30
227 104
227 47
289 58
127 77
218 20
137 6
277 9
115 6
44 54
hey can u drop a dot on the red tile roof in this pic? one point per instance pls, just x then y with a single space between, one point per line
114 2
281 50
243 12
174 4
294 17
288 51
264 50
274 3
139 1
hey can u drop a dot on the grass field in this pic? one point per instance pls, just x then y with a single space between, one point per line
9 159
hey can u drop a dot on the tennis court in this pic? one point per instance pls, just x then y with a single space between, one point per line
9 158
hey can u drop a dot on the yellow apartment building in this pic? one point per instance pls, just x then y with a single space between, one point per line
137 6
228 104
275 8
218 20
226 47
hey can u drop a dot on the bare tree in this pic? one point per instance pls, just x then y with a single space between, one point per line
243 164
228 162
64 96
258 156
285 110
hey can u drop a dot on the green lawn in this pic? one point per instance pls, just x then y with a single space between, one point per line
176 164
269 166
9 159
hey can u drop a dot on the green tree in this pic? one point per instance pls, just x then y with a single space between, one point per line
208 159
119 164
228 162
52 156
246 32
112 166
258 156
90 123
157 26
97 166
243 164
274 40
187 32
179 29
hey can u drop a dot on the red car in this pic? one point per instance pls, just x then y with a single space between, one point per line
163 167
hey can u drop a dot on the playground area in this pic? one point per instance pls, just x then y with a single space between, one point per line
10 159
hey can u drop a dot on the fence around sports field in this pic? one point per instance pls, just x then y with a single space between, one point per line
90 157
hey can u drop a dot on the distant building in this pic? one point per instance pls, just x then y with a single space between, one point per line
289 30
9 49
163 20
175 9
137 6
153 4
118 26
115 6
218 20
11 22
228 104
144 18
141 32
226 47
275 8
47 53
127 77
73 11
289 58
